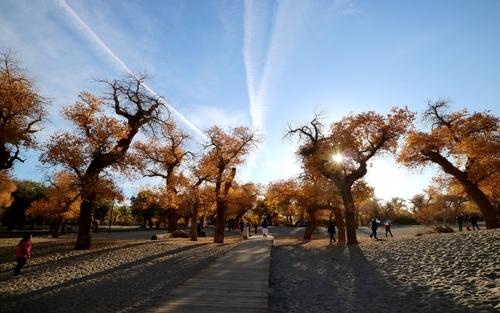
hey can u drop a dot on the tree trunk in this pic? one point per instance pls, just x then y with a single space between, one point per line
339 220
350 214
311 227
56 226
172 220
84 225
194 222
220 221
487 209
477 195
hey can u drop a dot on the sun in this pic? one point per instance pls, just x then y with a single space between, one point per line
338 158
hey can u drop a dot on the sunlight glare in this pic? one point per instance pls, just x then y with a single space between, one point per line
337 158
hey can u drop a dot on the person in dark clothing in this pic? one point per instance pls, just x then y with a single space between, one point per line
23 252
331 231
200 231
255 226
473 222
242 225
460 221
265 226
374 225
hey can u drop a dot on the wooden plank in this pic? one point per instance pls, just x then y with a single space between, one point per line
236 282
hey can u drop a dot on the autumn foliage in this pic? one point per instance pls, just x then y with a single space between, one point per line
22 109
105 128
467 147
358 138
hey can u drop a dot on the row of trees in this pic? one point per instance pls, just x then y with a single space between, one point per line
101 144
465 146
129 131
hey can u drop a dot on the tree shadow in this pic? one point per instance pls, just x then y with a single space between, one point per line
121 288
341 279
62 247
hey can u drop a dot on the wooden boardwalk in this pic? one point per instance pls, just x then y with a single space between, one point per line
238 281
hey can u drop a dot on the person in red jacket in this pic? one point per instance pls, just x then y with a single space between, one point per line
23 252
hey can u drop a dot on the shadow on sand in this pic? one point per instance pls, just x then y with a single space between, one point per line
341 279
124 288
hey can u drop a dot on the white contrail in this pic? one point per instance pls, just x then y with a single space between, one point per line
92 36
263 58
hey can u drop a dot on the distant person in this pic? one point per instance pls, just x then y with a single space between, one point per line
23 252
473 222
387 226
242 225
255 226
200 231
460 221
374 226
265 226
331 231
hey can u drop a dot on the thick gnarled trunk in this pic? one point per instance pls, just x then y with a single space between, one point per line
477 195
350 215
85 224
487 209
171 220
312 226
339 220
56 226
194 222
220 221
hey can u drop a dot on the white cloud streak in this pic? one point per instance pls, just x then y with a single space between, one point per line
100 45
268 38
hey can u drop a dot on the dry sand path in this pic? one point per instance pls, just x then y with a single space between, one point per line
457 272
116 275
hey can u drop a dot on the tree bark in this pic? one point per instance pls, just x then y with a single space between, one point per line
220 221
171 220
85 224
339 220
311 227
484 204
194 222
477 195
56 227
350 214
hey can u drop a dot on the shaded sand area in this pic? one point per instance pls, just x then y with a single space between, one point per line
458 272
120 273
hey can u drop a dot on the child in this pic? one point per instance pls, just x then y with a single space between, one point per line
387 226
23 252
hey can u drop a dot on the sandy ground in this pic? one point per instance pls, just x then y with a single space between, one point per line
122 272
458 272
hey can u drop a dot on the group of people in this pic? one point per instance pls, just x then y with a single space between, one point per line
245 228
473 219
374 226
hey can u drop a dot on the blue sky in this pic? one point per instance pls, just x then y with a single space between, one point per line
264 64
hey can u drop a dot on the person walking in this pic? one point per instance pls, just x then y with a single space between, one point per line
374 225
331 231
387 226
265 226
460 221
23 252
473 222
242 225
